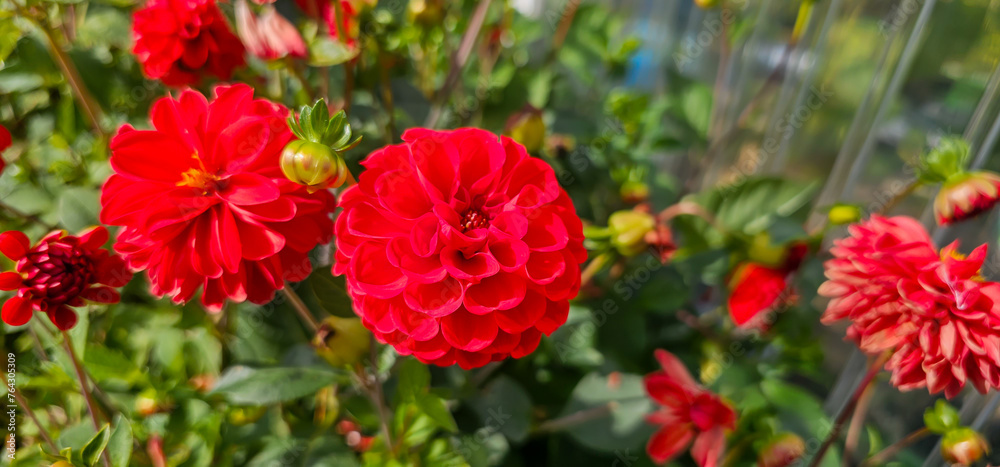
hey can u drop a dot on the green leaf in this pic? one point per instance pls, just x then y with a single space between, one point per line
624 427
756 204
78 208
941 418
242 385
504 407
9 34
539 88
696 103
120 444
326 51
435 408
413 380
91 453
331 293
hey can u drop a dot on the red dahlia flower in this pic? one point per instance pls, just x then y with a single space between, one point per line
966 195
203 202
940 317
459 247
687 412
59 272
177 40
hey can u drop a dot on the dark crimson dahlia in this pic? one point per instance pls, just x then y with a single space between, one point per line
59 272
459 247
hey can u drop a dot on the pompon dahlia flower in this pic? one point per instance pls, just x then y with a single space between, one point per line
459 247
935 311
687 412
59 272
177 41
203 202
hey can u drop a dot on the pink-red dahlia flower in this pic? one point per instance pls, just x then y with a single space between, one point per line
269 36
935 311
59 272
966 195
178 41
687 412
459 247
203 203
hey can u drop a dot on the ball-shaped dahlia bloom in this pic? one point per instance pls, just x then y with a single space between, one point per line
936 313
459 247
688 412
59 272
177 41
203 203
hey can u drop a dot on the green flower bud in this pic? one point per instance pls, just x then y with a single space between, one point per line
313 165
342 341
628 231
782 450
634 192
528 128
315 159
841 214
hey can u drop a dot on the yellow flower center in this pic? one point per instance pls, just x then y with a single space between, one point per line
199 178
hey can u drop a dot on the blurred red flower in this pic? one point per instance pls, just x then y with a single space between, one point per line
937 313
269 36
687 412
758 288
176 41
459 247
325 10
203 202
5 142
59 272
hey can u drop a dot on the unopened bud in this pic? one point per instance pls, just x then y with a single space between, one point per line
841 214
966 195
313 165
963 446
782 451
628 230
342 341
527 127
